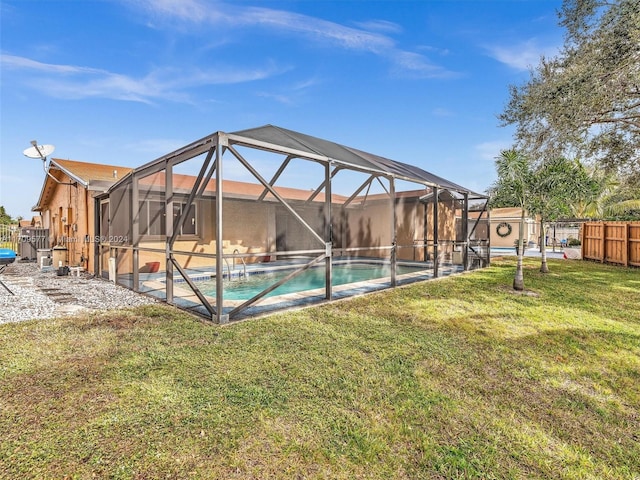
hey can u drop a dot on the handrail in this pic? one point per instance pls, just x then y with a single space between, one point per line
228 267
242 259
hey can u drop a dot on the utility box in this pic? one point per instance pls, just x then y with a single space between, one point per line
32 240
59 256
44 257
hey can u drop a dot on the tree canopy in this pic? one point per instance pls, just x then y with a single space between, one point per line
545 189
585 102
5 218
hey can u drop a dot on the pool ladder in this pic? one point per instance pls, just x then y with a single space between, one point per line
244 265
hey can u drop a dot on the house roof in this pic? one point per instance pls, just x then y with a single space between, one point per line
91 176
90 173
184 184
507 213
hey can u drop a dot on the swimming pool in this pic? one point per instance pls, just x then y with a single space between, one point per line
244 288
495 251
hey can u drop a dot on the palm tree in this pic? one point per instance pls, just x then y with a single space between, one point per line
555 182
544 189
600 198
512 189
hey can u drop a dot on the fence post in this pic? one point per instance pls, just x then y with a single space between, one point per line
603 241
625 253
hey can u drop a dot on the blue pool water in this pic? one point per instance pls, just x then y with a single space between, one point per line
245 288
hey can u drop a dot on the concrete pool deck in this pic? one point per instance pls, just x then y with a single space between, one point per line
185 298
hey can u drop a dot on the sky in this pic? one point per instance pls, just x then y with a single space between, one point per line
123 82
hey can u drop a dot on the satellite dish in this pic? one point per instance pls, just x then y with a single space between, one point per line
39 151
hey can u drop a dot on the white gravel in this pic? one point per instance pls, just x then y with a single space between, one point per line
41 294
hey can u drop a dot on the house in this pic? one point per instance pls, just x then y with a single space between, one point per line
164 223
67 205
505 227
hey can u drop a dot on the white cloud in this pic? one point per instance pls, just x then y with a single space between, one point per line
367 38
293 93
75 82
416 65
380 26
19 63
522 56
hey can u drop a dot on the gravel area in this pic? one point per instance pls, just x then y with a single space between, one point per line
41 294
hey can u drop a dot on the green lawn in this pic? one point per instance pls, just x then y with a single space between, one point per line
455 378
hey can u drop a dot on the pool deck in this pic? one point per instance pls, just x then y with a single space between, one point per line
185 298
529 252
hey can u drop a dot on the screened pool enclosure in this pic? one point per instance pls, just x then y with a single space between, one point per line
238 224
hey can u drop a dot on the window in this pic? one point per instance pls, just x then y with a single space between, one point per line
153 218
188 227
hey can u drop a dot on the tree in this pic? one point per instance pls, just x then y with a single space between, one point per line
603 197
585 102
511 189
555 183
5 218
544 189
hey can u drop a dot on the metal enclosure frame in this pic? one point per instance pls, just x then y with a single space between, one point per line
121 235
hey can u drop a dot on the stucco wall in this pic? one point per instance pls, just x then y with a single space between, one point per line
70 223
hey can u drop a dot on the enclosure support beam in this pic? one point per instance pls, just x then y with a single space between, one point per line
196 290
425 233
465 232
169 233
207 179
219 317
135 230
367 183
436 194
328 231
275 177
475 224
487 259
317 191
284 203
394 230
270 289
192 195
97 245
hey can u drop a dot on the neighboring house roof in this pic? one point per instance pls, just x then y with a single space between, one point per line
510 214
506 213
91 176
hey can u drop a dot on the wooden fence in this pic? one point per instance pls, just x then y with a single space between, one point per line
612 242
